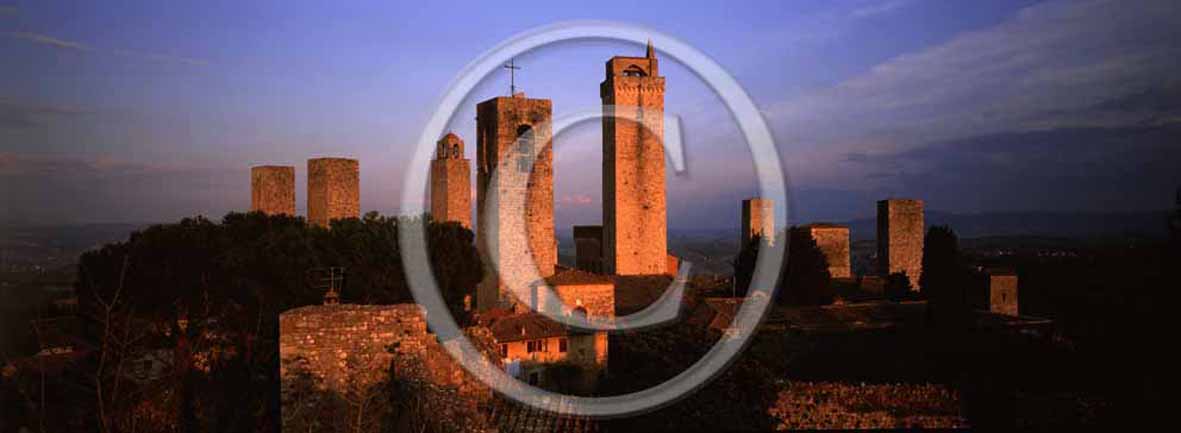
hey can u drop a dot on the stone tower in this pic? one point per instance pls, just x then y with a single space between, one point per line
334 190
635 235
900 238
509 131
272 189
758 219
833 241
451 183
588 248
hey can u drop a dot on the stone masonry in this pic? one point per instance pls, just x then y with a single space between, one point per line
451 183
758 219
334 190
900 238
635 222
513 133
339 348
272 189
833 240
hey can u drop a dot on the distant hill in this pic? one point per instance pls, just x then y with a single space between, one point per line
1049 224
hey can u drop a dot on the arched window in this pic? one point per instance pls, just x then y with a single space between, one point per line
455 151
525 145
634 71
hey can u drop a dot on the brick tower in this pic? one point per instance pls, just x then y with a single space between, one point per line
900 238
758 219
334 190
451 183
272 189
635 235
509 130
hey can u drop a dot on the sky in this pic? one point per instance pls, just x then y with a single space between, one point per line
153 111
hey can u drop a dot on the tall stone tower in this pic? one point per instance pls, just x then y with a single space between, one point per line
451 183
758 219
509 131
272 189
833 241
635 224
334 190
900 238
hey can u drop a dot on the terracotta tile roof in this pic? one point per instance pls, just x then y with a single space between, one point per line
524 326
576 276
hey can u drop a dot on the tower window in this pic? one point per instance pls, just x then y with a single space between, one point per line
525 145
634 71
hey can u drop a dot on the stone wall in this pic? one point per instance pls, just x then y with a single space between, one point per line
272 189
346 349
845 406
635 223
510 131
334 190
758 219
900 238
451 183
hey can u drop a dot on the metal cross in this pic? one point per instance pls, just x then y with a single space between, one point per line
512 76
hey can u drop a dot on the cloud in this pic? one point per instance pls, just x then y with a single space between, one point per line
18 115
63 188
49 41
576 200
63 44
878 8
1047 67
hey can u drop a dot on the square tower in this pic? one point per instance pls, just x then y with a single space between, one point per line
758 219
334 190
833 241
509 132
997 291
272 189
588 248
900 238
635 236
451 183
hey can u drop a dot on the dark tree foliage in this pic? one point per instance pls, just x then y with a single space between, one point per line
744 265
897 286
196 288
945 277
806 280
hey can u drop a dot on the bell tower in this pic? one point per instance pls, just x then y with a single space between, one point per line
451 183
515 174
635 221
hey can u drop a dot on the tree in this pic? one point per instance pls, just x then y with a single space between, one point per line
744 265
897 286
807 280
945 277
209 296
1175 225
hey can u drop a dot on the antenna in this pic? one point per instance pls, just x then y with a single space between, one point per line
330 280
512 76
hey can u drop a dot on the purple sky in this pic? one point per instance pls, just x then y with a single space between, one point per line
144 111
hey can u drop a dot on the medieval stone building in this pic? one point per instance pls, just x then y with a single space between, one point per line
833 240
758 219
900 238
588 248
334 190
635 235
272 189
515 182
451 183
